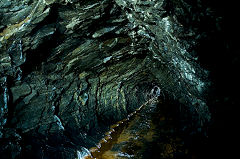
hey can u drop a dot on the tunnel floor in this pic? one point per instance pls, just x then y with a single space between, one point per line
151 133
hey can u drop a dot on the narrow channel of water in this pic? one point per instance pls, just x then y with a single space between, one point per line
150 133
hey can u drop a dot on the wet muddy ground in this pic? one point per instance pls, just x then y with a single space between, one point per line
153 132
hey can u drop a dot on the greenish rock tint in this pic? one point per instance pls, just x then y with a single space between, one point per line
4 99
69 69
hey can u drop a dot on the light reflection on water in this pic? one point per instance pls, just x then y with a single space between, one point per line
150 133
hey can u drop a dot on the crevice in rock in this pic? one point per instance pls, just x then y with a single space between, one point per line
10 104
50 19
36 57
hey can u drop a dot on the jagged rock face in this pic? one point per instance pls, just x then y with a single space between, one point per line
70 68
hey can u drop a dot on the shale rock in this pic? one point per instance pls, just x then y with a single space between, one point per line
71 68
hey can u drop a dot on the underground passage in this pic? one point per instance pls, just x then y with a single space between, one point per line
118 79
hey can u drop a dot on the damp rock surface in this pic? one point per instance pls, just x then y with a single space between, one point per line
69 69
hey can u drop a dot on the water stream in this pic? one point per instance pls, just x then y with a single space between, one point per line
150 132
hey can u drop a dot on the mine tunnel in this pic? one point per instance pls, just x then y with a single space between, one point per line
118 79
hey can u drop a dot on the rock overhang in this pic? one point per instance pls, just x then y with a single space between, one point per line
80 63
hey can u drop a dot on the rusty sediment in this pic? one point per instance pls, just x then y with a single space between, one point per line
112 135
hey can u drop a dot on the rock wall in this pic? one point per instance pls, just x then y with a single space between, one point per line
70 68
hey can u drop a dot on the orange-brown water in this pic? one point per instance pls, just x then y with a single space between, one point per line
115 135
149 133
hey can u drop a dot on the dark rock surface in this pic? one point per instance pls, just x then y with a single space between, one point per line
71 68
